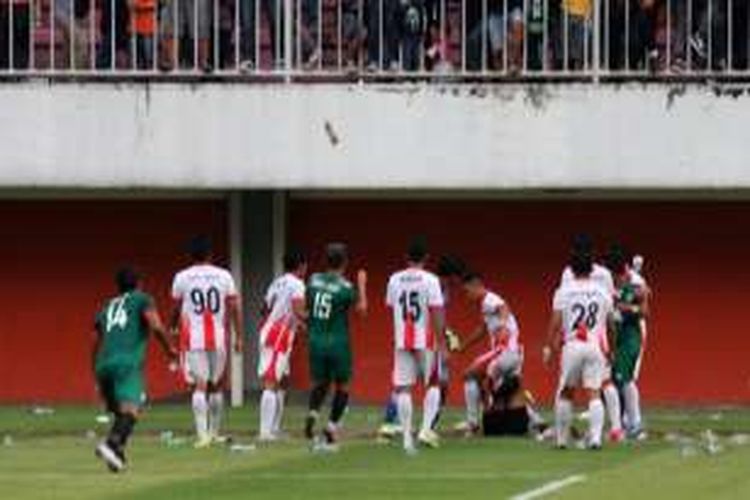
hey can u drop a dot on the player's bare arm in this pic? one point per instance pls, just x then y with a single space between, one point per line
234 308
156 327
475 337
174 318
361 292
438 319
552 346
299 309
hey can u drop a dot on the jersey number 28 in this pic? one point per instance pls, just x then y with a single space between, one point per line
585 315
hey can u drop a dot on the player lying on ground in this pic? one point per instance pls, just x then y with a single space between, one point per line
583 245
450 270
122 329
498 370
205 304
416 302
632 306
285 315
583 311
329 298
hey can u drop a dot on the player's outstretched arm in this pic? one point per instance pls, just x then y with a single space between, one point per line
362 292
155 326
478 334
234 308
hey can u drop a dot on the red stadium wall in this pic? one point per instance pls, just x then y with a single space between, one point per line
696 260
59 258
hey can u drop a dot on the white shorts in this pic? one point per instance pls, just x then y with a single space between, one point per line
273 365
507 364
204 366
582 365
411 365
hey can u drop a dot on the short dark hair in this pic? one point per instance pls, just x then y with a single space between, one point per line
581 263
293 259
450 265
582 244
336 255
126 279
199 247
417 250
617 258
471 276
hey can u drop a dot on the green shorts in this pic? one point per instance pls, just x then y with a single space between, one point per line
120 384
627 353
330 364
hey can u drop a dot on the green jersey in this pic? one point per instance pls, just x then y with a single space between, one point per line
628 294
329 297
123 330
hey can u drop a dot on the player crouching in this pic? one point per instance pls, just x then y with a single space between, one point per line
494 376
122 329
329 298
583 311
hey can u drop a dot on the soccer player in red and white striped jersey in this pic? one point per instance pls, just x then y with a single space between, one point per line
206 305
416 300
284 316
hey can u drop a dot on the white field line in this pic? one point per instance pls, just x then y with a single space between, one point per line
363 476
548 488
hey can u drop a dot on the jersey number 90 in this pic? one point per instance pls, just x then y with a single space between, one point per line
203 300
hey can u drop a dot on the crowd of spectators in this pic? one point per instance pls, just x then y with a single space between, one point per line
376 35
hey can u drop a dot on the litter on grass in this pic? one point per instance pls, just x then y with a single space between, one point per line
242 448
8 440
102 419
739 439
42 411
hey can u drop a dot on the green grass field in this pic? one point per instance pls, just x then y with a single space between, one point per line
51 456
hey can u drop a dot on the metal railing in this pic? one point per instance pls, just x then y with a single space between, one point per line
494 39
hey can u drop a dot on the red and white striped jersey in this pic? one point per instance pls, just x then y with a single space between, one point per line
280 325
411 294
203 291
585 306
491 306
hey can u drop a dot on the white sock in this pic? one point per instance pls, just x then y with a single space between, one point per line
281 400
596 421
200 413
430 407
612 398
534 416
563 418
632 404
473 396
268 402
404 404
216 410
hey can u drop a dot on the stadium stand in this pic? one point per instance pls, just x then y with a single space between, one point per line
492 38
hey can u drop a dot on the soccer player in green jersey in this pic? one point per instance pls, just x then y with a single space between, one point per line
122 329
632 303
330 296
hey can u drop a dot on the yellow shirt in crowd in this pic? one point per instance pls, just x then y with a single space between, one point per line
580 8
